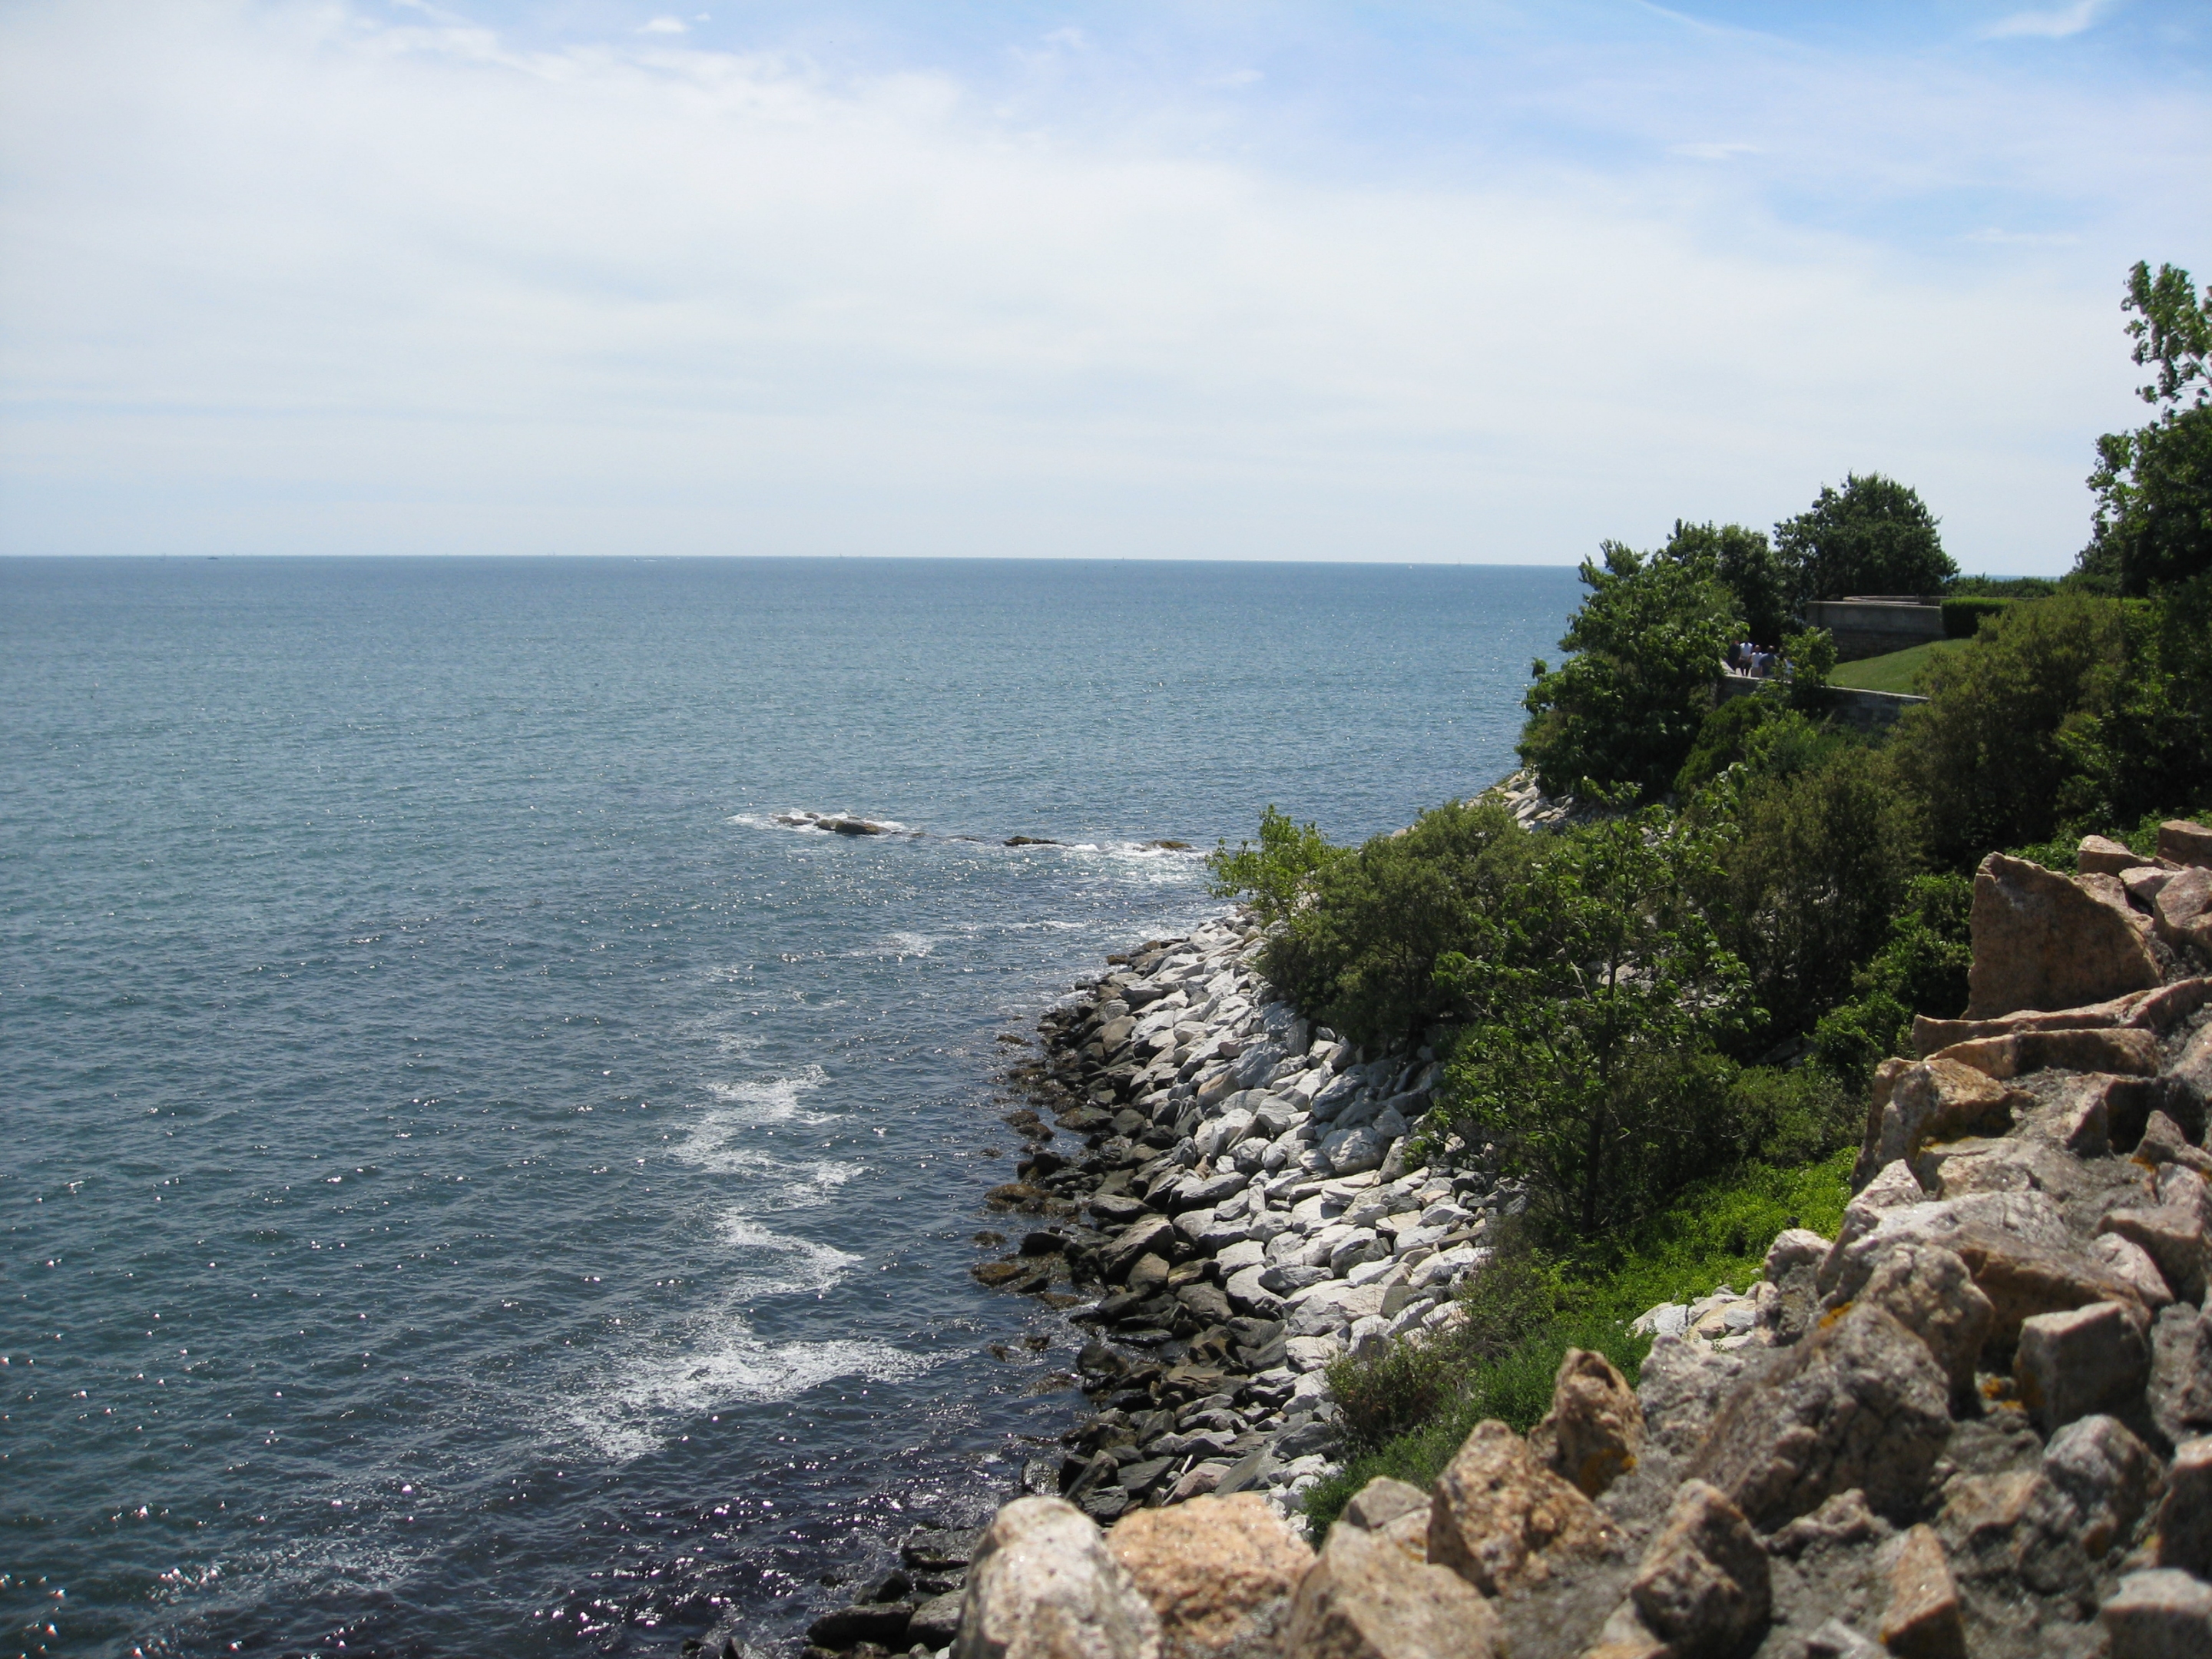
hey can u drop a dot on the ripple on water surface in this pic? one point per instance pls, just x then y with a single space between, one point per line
478 1183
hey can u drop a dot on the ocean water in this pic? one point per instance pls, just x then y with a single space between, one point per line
474 1181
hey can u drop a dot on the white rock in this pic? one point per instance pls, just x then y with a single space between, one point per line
1237 1257
1311 1354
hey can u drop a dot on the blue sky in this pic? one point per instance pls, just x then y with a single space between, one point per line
1471 282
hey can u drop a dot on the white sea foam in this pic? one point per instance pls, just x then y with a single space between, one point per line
803 822
719 1361
653 1392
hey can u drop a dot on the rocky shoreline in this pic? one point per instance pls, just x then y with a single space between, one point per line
1226 1199
1977 1423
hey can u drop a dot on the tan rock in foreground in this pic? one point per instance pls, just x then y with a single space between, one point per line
1925 1620
2185 842
1498 1514
1365 1599
1218 1573
2046 940
1043 1586
1594 1433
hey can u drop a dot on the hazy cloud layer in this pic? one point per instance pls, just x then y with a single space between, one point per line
330 277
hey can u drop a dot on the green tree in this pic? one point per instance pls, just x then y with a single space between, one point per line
1746 563
2011 738
1279 874
1592 997
1921 968
1362 954
2154 485
1648 642
1818 858
1873 536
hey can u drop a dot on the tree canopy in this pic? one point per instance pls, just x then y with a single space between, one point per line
1624 710
1746 563
2154 485
1873 536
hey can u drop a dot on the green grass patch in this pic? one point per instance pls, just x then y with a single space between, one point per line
1715 1233
1516 1387
1899 671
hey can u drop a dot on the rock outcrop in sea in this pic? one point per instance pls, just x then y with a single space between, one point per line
1976 1422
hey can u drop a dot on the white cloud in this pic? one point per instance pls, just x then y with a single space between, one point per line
282 281
668 26
1713 152
2056 25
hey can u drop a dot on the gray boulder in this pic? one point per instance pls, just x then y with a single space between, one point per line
2184 1521
1043 1586
2181 1373
1861 1403
2087 1359
1703 1585
2158 1614
1365 1598
2045 940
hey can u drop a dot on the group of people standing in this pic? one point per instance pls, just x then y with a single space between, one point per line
1758 661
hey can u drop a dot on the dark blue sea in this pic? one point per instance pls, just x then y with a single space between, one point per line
475 1183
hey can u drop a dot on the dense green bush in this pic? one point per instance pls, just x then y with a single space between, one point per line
1624 709
1515 1387
2154 485
1723 739
2149 750
1993 754
1873 536
2002 587
1591 998
1279 873
1817 859
1746 563
1361 955
1963 614
1921 968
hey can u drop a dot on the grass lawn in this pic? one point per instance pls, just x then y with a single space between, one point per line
1898 671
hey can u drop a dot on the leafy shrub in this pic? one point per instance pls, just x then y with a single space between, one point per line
1873 536
1716 1232
1787 1116
1397 1390
1515 1387
2002 587
2154 485
1723 738
1361 954
1963 614
1746 564
1920 969
1624 710
2151 750
1593 991
1819 859
2005 731
1279 874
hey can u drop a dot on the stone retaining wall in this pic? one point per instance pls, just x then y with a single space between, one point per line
1874 627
